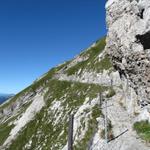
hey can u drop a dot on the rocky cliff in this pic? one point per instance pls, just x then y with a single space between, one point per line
128 44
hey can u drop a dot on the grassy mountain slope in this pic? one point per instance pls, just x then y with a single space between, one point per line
48 128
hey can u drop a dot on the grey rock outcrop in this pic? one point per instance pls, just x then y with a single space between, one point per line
128 43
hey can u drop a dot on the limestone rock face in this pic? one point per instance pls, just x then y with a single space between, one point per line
128 42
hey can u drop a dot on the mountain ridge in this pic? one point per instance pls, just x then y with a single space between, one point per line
54 86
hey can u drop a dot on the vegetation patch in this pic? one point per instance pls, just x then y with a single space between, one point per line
4 132
143 130
104 64
75 92
42 133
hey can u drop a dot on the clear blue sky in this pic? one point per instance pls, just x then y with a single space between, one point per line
36 35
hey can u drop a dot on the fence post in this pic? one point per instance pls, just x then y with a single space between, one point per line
70 132
100 99
106 130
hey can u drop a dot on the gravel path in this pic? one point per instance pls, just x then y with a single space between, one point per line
126 137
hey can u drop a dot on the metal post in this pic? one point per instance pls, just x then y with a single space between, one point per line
111 82
127 85
127 92
100 99
106 131
70 132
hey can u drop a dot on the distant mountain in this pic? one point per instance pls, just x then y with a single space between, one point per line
4 97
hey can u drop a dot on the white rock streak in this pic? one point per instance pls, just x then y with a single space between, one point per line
109 3
29 114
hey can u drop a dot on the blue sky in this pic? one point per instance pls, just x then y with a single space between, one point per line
36 35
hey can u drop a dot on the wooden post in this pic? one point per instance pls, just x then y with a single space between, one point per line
70 132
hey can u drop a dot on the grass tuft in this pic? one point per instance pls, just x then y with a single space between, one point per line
143 130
